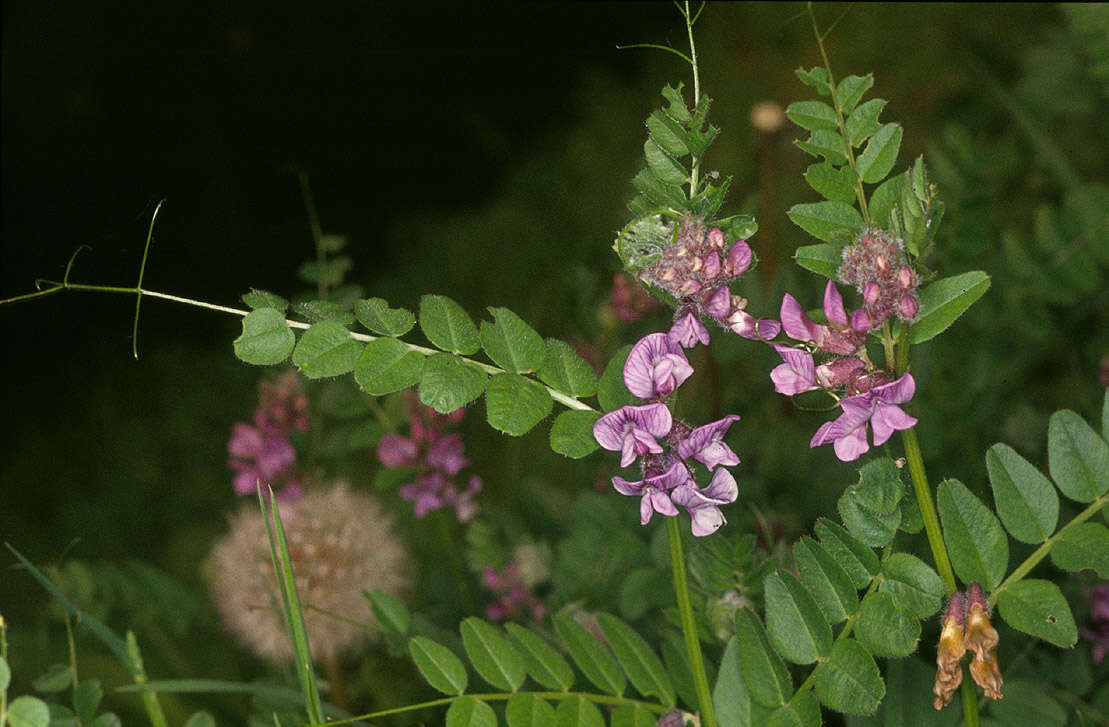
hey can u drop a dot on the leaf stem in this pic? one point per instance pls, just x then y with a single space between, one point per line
689 628
695 163
1041 552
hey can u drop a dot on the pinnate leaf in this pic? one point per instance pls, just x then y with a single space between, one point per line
874 529
849 681
822 259
761 670
471 712
796 625
863 121
572 433
667 133
978 547
944 301
817 78
1026 501
829 221
665 167
1077 457
514 404
388 365
447 326
564 370
597 664
511 343
447 383
827 144
802 711
545 665
493 657
376 315
634 715
885 628
266 338
639 662
438 665
326 349
1083 547
1038 608
880 154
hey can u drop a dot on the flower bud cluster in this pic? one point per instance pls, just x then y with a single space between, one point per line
876 265
966 627
696 269
436 457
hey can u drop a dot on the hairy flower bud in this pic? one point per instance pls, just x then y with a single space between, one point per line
871 292
908 307
716 238
949 673
982 638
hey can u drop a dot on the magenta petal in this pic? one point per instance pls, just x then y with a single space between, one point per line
662 503
833 305
688 331
852 446
395 451
897 392
723 489
797 325
768 328
887 419
796 375
706 444
245 440
645 509
739 258
651 352
627 488
720 304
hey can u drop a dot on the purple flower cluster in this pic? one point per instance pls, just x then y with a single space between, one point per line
262 452
696 269
867 397
514 595
1098 596
655 367
437 457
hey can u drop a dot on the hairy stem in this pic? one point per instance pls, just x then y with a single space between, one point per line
689 628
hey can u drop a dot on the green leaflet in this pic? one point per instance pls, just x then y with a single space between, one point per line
528 710
563 369
639 662
447 326
796 625
545 665
596 663
885 628
387 365
760 670
376 315
511 343
859 561
576 711
1078 458
1038 608
572 433
730 700
913 584
826 579
975 541
1084 546
514 404
830 221
266 338
447 383
822 259
849 681
326 349
942 302
850 90
438 665
880 154
1026 500
470 712
492 656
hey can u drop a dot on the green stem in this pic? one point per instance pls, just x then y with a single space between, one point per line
317 231
928 509
694 167
689 628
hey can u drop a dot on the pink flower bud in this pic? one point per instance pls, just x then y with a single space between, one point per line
860 320
716 238
712 265
689 287
908 306
667 274
695 264
906 278
871 292
739 258
720 304
881 264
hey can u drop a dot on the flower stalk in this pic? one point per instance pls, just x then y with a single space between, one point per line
689 627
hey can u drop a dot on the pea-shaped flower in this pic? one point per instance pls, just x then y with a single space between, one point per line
633 430
655 367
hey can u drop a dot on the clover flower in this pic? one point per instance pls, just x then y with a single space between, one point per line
437 458
341 542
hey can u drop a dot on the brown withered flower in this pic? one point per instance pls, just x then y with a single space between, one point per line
949 673
982 638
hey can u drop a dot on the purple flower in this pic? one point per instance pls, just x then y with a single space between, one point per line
719 304
797 375
654 492
395 451
655 367
703 505
878 407
688 330
446 455
739 258
840 338
706 444
433 491
633 430
744 324
257 456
